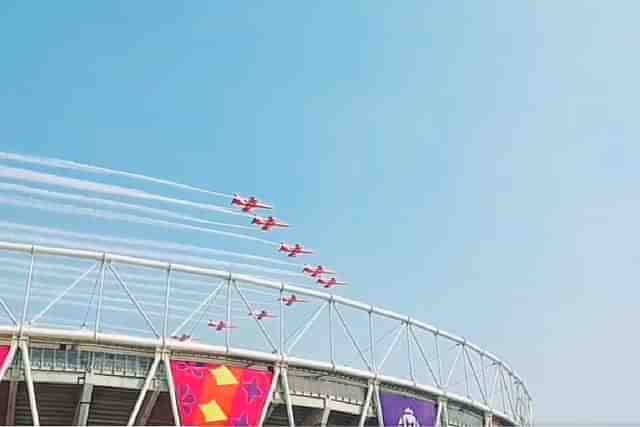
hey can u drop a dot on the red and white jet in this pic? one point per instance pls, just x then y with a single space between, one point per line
329 283
294 250
220 325
291 299
268 223
316 271
262 314
249 204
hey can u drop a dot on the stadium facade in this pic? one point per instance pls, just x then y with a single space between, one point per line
90 374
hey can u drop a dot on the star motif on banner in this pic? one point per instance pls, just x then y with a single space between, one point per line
243 421
253 390
223 376
212 412
187 400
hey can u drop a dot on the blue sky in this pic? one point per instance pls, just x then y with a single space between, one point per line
473 164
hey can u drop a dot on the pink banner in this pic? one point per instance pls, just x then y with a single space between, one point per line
211 394
4 352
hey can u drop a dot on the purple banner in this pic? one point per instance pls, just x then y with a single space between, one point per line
405 411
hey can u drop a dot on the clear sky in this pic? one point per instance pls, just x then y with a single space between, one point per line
472 164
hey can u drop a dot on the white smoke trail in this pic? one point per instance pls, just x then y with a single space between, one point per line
96 187
66 164
163 256
114 216
20 267
144 291
113 204
178 247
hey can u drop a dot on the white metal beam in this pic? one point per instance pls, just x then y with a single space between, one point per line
147 382
284 377
376 391
84 403
172 389
366 405
27 292
306 327
24 350
61 295
145 413
425 358
134 301
519 399
142 262
267 403
390 349
353 340
202 308
265 333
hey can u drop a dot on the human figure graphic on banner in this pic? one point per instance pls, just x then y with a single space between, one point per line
408 419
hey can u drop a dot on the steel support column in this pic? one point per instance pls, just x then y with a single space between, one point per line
227 330
27 293
281 322
326 411
24 350
441 413
488 419
145 413
267 403
371 340
172 389
366 405
412 374
167 292
331 350
96 327
84 404
145 387
376 391
284 377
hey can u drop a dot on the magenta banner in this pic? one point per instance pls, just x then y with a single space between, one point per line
405 411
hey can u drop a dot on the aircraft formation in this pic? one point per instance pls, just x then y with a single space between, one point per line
250 205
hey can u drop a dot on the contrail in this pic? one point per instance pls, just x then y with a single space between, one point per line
141 242
96 187
113 204
114 216
66 164
19 267
111 293
12 235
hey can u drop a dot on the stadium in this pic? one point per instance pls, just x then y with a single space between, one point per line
130 336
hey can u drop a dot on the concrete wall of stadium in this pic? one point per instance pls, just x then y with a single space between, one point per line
90 384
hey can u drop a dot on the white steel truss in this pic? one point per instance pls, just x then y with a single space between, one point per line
472 376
